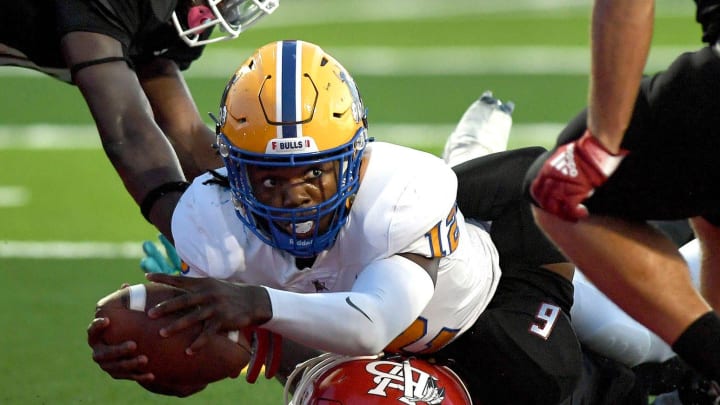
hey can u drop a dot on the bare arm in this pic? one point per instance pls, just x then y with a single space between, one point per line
178 117
621 35
132 140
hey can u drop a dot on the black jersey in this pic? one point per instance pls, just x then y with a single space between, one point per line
708 15
30 31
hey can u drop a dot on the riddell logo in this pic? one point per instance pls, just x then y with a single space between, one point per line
565 162
290 145
416 385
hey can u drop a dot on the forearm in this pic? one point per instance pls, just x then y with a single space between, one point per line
133 142
177 115
620 39
161 213
142 171
360 322
142 157
196 152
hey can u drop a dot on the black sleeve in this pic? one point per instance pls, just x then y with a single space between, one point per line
141 26
490 188
708 15
82 15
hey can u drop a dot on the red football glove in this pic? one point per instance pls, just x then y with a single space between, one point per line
266 349
571 175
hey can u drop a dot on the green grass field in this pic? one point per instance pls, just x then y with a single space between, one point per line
69 233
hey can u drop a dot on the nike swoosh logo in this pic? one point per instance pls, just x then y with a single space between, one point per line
355 307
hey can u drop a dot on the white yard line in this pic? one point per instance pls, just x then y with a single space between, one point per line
429 61
69 250
13 196
433 61
47 136
307 12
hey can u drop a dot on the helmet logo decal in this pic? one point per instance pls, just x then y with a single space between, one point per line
301 144
416 385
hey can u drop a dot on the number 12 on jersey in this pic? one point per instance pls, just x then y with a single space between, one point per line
444 236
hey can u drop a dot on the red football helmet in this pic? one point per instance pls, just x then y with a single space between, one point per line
340 380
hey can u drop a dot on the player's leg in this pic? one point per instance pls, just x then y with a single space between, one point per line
708 236
489 190
634 251
630 261
649 280
608 330
484 128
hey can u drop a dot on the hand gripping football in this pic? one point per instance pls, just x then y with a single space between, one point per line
224 356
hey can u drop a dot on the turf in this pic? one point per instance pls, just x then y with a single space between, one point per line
74 194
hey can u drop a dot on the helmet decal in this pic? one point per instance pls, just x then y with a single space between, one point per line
414 384
299 144
289 56
290 109
345 380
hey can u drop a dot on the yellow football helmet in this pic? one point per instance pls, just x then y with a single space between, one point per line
292 104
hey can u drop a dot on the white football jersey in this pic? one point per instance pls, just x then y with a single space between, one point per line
405 204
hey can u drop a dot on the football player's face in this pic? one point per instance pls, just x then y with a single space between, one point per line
295 187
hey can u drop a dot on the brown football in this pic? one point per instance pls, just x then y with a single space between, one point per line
224 356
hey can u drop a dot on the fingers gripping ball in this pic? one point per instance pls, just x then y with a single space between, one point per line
225 355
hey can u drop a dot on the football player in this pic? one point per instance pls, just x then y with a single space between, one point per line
623 360
126 58
315 233
644 149
609 331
